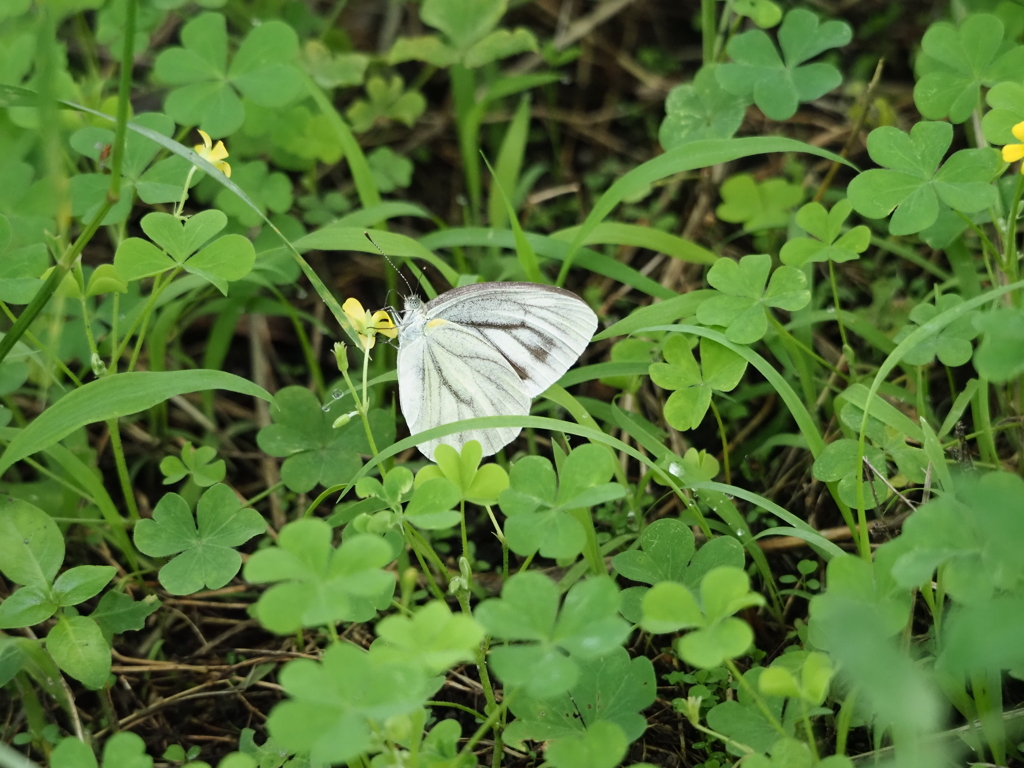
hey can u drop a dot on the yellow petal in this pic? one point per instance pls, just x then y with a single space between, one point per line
1018 131
219 152
355 313
223 168
382 324
207 141
1013 152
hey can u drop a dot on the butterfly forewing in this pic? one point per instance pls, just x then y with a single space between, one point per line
486 350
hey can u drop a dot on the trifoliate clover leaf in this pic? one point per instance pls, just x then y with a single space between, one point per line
612 689
337 707
832 244
433 637
838 464
476 484
317 584
742 303
1000 356
758 206
700 110
314 452
667 554
719 369
1007 102
539 509
161 183
779 83
469 35
956 62
387 100
952 344
269 191
222 261
203 546
207 89
390 170
197 463
330 70
545 665
911 181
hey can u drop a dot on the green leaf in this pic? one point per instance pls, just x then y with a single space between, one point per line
223 261
587 626
315 452
433 637
709 648
603 745
265 190
479 485
391 171
112 397
743 300
316 583
666 548
387 100
207 92
27 607
952 344
1000 356
78 584
700 110
764 13
831 243
428 48
334 706
838 464
31 545
432 504
758 206
136 258
180 239
612 688
779 83
204 548
1007 102
118 612
719 369
500 44
956 62
463 22
77 645
330 70
198 464
912 183
668 607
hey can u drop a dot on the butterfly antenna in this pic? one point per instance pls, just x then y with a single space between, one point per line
389 261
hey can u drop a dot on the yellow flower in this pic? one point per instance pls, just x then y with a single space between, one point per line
213 154
1014 152
367 326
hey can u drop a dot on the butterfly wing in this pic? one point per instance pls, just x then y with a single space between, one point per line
539 330
486 350
452 373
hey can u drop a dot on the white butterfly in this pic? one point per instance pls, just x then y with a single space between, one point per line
485 350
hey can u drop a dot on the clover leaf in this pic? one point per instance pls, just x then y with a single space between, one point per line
195 462
331 70
388 100
269 191
955 63
545 664
911 181
719 369
952 344
122 750
669 606
1007 102
743 720
742 303
160 182
470 37
316 583
612 688
779 84
390 170
838 463
337 706
973 534
538 509
764 13
757 206
207 89
223 260
700 110
601 746
831 243
20 268
203 547
476 484
1000 356
667 554
316 453
433 636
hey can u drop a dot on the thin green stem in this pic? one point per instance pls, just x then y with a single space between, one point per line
122 470
44 348
707 29
758 700
263 494
123 101
835 302
725 441
1011 265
